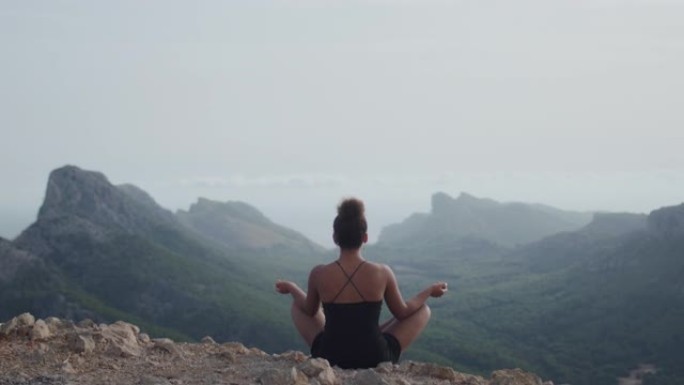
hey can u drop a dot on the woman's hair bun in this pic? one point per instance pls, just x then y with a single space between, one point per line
350 208
350 224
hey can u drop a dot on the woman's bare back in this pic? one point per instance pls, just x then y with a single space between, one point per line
339 281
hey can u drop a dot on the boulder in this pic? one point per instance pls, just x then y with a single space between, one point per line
514 377
208 340
319 369
144 338
78 343
235 347
122 339
366 377
54 324
292 355
283 377
20 324
431 370
167 345
40 331
314 366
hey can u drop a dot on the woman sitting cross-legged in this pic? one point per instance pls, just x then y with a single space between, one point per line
347 331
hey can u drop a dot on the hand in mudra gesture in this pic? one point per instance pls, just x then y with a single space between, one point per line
283 287
438 289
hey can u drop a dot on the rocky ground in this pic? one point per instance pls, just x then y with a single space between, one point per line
60 352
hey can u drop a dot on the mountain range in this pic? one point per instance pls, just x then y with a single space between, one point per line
106 252
507 224
577 297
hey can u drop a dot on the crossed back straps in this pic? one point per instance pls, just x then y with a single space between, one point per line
349 281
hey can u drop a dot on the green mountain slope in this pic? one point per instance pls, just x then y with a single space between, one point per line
111 252
579 307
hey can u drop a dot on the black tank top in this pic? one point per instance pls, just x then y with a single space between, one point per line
352 336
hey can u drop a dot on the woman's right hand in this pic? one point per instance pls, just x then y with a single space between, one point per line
438 289
283 287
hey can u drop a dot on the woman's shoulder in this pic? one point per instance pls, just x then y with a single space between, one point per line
318 268
378 268
377 265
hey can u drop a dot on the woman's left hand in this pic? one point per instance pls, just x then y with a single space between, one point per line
438 289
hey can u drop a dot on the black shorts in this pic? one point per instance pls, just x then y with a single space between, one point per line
391 353
393 346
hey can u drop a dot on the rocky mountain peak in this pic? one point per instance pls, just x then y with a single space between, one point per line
668 220
614 224
442 203
70 188
234 209
79 201
240 225
470 217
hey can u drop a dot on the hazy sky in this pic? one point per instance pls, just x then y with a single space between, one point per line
291 105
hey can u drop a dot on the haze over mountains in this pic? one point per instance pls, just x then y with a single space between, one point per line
576 298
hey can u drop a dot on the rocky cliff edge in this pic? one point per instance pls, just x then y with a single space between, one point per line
60 352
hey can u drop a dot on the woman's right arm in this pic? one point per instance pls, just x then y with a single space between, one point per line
308 302
395 302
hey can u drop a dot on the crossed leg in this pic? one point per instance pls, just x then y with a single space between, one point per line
405 331
308 326
408 329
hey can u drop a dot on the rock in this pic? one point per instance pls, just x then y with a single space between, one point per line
327 377
122 338
514 377
441 372
144 338
40 331
236 347
54 324
469 379
25 379
384 367
257 352
26 319
208 340
319 369
42 348
68 368
20 325
366 377
293 355
314 366
87 324
430 370
283 377
168 346
80 343
150 380
227 356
